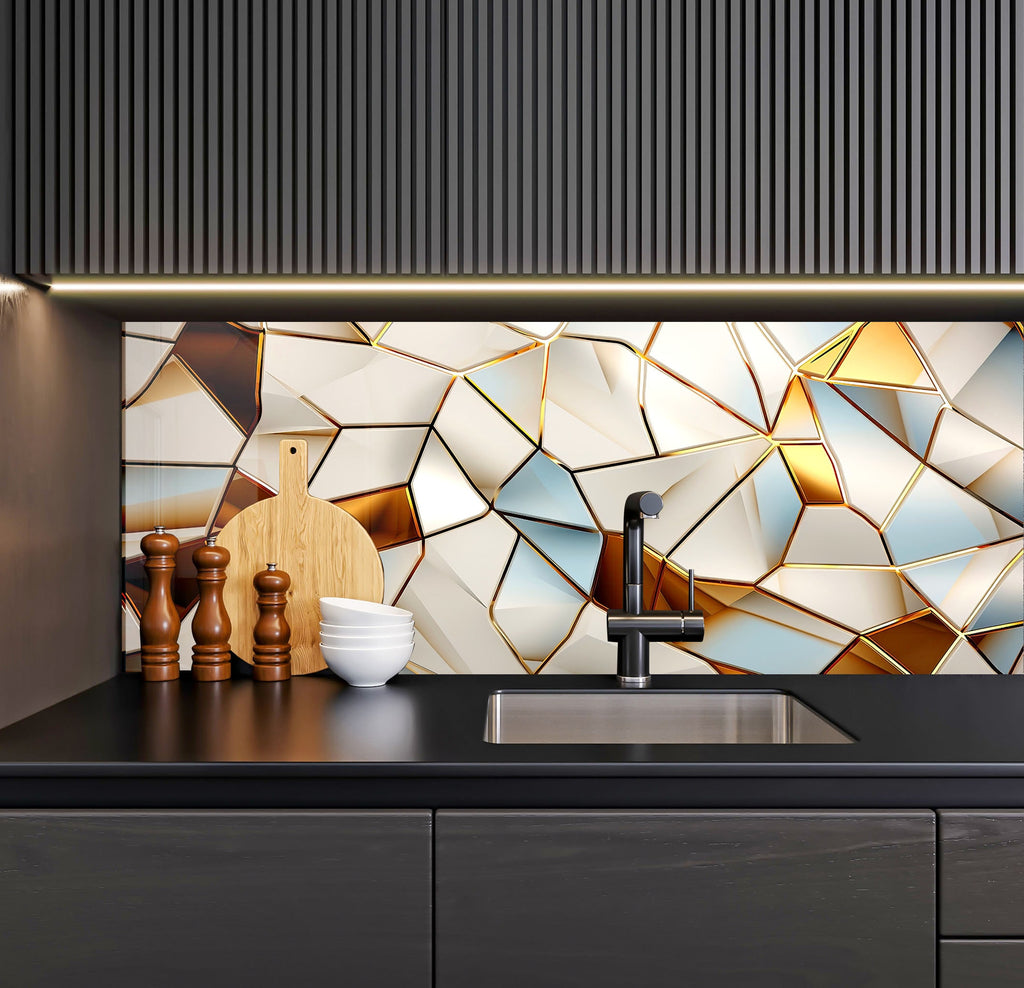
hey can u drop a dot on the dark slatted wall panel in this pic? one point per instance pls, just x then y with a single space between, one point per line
515 136
6 149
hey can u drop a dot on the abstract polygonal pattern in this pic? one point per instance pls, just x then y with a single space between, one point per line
849 495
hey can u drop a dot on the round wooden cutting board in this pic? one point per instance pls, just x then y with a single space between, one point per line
325 551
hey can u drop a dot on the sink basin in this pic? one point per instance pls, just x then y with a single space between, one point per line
655 717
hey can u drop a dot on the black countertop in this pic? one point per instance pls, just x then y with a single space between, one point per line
921 741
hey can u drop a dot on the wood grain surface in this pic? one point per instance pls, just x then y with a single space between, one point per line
742 899
323 548
211 899
981 963
981 858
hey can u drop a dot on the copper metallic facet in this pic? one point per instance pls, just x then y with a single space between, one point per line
918 644
225 357
386 515
814 473
723 670
860 659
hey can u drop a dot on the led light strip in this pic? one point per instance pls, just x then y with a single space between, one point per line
555 285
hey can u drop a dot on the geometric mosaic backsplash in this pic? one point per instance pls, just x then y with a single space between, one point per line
849 495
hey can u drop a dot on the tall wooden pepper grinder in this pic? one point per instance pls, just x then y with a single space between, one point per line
211 626
159 624
271 652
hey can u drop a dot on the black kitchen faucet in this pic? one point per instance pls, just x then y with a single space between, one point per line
633 628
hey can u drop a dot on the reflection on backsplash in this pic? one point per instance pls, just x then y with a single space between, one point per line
849 494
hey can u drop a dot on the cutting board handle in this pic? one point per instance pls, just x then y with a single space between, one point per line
293 469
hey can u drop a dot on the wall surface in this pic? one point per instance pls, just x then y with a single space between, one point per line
59 439
850 495
512 136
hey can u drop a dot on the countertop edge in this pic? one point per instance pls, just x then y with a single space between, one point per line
523 770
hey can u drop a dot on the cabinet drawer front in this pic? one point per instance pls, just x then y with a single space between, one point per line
167 899
981 963
981 873
612 898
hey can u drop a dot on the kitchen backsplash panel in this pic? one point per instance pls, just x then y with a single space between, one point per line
848 494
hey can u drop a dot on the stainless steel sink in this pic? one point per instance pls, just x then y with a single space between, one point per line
655 717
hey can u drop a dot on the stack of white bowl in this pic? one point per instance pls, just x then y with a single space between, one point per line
362 642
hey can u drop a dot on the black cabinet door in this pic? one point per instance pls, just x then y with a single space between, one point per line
190 899
981 855
981 963
606 898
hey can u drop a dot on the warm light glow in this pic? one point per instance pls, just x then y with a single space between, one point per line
555 285
11 287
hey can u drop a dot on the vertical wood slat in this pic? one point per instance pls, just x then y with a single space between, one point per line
223 70
166 119
154 140
346 149
514 136
213 149
80 149
49 83
12 122
1016 188
182 136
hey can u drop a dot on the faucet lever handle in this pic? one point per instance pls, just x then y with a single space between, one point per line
689 579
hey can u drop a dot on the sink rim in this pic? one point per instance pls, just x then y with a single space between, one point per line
493 718
646 691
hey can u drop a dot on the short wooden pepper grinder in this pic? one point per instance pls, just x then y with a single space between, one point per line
159 624
271 652
211 626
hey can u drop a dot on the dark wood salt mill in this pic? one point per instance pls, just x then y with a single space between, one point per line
211 626
159 624
271 652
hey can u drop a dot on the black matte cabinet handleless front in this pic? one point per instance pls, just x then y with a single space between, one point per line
204 899
981 898
602 899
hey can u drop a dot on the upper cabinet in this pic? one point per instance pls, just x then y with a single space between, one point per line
306 137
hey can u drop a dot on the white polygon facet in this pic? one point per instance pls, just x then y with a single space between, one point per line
362 460
441 492
592 404
485 443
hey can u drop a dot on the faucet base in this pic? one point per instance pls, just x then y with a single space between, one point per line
634 682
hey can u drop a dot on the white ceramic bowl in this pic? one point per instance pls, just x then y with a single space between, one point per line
367 641
360 666
366 631
343 610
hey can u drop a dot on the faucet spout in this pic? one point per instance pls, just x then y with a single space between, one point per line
634 628
641 505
